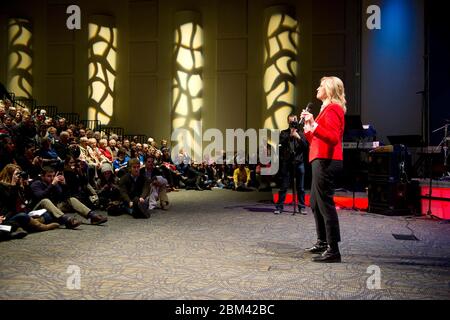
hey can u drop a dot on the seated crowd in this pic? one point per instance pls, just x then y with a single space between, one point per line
65 168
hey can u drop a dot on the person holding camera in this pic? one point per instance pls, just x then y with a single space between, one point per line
293 147
13 201
49 193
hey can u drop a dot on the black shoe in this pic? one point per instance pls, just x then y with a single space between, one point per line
329 256
97 219
18 234
72 223
319 247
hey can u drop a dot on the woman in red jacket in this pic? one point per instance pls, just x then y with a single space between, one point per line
325 135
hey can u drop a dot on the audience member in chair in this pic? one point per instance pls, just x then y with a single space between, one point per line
48 154
30 162
8 152
61 146
120 165
105 154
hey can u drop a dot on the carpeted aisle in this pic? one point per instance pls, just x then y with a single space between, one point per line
225 245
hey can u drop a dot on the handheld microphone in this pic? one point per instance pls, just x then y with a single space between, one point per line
308 109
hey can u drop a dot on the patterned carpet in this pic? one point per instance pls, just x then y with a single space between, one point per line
225 245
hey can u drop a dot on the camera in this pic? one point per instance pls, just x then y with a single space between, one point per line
23 175
293 125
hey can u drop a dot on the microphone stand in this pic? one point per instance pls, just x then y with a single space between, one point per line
294 189
294 179
430 187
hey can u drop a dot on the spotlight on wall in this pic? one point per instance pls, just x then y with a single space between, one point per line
280 65
102 61
187 89
20 57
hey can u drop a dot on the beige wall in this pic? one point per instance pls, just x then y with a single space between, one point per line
233 53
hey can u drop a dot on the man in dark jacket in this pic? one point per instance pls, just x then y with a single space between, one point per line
133 187
293 150
48 194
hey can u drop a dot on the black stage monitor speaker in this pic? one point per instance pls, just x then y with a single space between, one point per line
394 198
390 164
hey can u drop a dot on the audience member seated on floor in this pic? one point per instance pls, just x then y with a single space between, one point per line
78 182
120 165
52 187
241 178
169 170
156 192
149 170
107 186
132 191
13 203
47 194
196 180
210 173
265 182
14 232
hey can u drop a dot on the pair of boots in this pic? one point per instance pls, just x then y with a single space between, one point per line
36 225
329 253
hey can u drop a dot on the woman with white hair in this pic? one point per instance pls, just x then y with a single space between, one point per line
324 135
104 153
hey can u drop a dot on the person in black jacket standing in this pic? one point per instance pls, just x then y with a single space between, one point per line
293 148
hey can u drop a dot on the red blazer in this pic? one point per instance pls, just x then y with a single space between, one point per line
326 141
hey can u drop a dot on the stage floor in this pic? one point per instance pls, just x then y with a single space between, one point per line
222 244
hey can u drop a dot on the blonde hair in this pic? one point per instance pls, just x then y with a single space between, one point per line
7 173
334 89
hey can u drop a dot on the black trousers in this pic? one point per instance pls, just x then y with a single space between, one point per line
286 172
324 173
